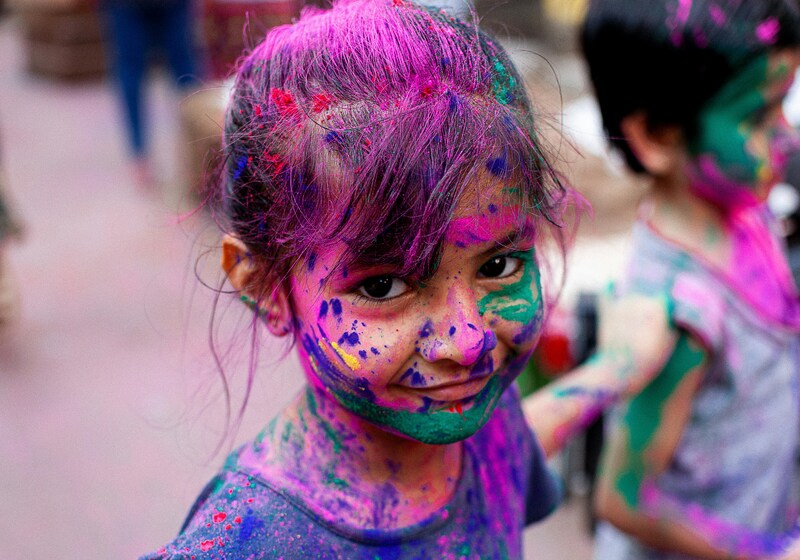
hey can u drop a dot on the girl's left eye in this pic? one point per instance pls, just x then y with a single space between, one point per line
499 267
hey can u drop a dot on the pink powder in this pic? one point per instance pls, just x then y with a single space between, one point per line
767 31
717 15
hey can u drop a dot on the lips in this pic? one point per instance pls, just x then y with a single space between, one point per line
451 391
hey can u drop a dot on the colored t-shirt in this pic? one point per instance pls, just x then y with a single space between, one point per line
732 473
504 485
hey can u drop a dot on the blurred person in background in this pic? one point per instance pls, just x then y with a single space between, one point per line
702 463
136 30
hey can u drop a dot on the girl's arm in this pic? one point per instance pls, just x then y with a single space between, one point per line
635 340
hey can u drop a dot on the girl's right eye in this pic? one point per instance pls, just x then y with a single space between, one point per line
382 287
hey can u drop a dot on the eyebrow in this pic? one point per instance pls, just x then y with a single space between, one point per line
516 236
373 257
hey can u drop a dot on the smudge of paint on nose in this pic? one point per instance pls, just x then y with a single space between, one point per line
452 331
433 348
349 338
426 330
492 208
363 354
471 326
375 351
489 341
323 310
336 307
312 261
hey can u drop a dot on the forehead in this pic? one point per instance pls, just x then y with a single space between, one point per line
490 209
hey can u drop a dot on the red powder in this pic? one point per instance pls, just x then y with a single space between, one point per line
321 102
284 102
205 546
219 517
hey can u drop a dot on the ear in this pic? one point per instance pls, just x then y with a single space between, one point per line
660 151
237 262
269 302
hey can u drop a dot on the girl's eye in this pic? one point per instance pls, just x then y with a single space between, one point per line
499 267
382 287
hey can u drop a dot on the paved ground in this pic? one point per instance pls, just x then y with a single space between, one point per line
108 393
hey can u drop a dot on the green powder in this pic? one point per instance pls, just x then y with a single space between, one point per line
646 412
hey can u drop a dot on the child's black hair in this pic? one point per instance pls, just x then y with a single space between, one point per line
667 58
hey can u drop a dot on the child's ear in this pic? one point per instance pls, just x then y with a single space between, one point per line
659 150
237 262
271 304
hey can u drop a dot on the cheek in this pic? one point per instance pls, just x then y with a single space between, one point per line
515 313
732 146
368 349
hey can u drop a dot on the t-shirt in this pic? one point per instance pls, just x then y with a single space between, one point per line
504 485
732 473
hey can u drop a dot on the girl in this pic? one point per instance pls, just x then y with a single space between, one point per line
702 463
385 200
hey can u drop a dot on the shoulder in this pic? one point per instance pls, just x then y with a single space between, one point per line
232 516
696 303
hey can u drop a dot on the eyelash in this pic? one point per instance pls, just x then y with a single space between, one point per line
525 256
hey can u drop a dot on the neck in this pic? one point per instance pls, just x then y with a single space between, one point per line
362 475
693 222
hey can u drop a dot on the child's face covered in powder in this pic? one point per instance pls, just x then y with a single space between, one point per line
427 359
743 140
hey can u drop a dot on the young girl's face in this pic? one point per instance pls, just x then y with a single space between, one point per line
426 359
743 139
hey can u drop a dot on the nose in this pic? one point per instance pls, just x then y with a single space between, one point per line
458 335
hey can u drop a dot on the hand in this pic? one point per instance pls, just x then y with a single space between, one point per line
635 337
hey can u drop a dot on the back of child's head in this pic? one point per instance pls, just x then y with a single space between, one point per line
362 125
668 58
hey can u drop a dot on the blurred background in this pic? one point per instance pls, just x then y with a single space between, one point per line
111 408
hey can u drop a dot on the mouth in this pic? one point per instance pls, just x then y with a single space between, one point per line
451 391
